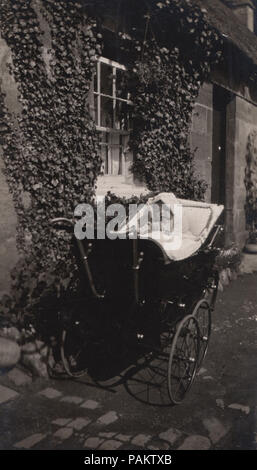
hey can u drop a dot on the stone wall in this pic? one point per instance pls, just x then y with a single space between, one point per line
241 121
201 135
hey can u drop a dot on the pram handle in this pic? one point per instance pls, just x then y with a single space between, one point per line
218 229
63 222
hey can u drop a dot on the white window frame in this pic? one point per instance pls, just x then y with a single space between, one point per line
98 94
109 130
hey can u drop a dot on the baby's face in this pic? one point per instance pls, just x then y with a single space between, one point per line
164 219
167 224
167 218
161 219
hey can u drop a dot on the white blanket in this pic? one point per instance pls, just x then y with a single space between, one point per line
198 219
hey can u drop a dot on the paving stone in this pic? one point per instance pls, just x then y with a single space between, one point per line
50 393
110 445
62 421
171 435
18 377
215 429
79 423
141 440
93 442
123 437
30 441
196 442
108 418
243 408
90 404
7 394
63 433
74 400
107 435
157 444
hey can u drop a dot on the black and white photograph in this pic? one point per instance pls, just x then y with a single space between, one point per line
128 229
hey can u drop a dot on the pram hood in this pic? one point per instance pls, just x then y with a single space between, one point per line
192 220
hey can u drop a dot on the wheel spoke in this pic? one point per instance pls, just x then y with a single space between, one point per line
202 313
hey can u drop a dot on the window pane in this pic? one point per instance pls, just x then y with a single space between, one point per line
104 156
115 154
121 84
95 110
106 112
95 78
106 79
122 121
104 152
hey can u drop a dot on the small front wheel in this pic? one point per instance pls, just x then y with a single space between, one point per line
183 358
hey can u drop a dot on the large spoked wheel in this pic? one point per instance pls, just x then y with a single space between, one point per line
202 312
183 358
74 350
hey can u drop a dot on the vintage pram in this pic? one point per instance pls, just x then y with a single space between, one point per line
146 299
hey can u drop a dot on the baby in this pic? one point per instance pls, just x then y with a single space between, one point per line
160 215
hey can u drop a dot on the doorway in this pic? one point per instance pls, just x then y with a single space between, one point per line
221 98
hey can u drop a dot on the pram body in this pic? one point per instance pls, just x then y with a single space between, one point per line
161 299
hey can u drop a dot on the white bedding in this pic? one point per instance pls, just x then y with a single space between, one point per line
198 219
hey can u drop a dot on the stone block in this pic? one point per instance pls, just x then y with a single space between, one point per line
108 418
79 423
205 95
18 377
195 442
63 433
73 400
171 435
110 445
141 440
215 428
7 394
50 393
199 120
30 441
90 404
62 421
93 442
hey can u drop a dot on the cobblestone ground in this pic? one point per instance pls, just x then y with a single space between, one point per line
220 411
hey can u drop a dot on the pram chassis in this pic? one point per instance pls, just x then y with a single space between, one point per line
184 337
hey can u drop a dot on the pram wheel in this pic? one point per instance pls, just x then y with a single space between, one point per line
202 312
183 359
74 349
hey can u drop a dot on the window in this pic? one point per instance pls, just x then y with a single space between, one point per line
111 111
